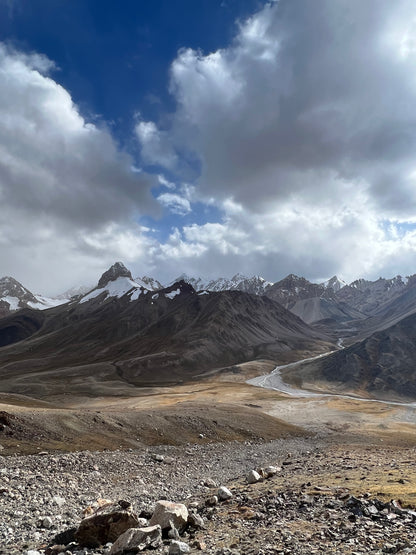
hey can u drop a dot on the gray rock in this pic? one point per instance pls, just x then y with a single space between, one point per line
46 522
270 471
60 501
173 533
177 548
137 539
211 501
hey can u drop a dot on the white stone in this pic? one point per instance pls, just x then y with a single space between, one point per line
60 501
253 477
224 493
272 470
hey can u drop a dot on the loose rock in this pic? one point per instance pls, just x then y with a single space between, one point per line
224 493
253 477
137 539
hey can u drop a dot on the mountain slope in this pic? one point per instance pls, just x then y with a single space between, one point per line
369 296
292 288
313 302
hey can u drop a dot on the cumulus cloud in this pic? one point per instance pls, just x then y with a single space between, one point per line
305 127
62 179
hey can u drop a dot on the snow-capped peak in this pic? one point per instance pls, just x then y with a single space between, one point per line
115 288
334 283
117 270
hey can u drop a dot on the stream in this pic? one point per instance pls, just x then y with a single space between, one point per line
275 381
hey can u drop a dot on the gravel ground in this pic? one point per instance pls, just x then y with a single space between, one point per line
41 495
325 497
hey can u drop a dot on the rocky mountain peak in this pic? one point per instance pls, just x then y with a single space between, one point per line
117 270
239 277
11 288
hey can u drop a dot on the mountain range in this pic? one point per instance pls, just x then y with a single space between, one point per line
122 335
126 332
361 295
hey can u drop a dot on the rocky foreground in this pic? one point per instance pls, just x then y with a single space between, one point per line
293 496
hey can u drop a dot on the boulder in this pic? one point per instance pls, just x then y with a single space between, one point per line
105 525
137 539
167 514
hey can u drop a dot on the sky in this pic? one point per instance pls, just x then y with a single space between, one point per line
207 137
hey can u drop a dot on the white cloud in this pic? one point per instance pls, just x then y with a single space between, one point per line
163 181
175 203
62 180
155 146
305 131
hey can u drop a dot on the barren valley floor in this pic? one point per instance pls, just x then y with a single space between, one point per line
327 449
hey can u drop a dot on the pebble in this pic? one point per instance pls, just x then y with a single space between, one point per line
253 477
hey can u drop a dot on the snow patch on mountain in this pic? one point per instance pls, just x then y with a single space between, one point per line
334 283
173 294
17 297
117 288
47 302
12 301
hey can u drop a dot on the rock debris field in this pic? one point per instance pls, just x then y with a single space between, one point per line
292 496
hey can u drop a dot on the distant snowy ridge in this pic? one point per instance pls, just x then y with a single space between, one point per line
14 296
255 285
